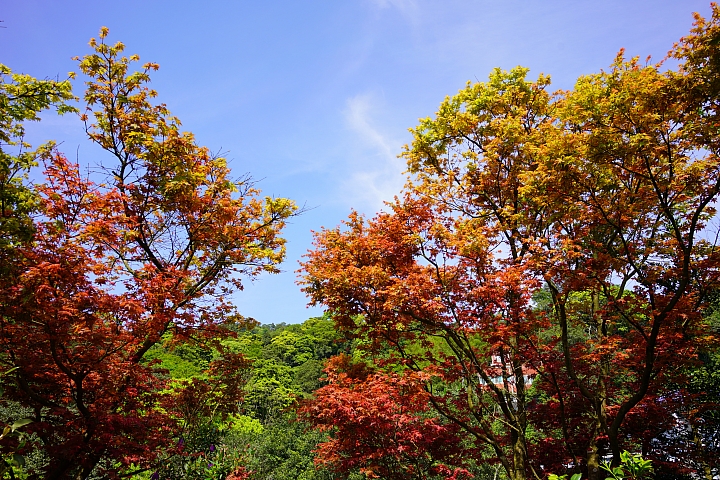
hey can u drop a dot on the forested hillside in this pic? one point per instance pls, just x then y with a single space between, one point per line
260 432
542 301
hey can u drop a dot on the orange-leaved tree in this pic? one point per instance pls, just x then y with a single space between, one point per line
442 285
150 244
599 200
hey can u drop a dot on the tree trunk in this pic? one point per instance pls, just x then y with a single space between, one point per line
593 461
519 457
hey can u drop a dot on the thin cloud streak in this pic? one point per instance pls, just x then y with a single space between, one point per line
378 173
357 114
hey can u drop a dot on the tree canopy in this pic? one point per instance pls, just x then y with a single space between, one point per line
601 199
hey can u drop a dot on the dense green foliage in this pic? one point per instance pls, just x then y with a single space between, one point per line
263 435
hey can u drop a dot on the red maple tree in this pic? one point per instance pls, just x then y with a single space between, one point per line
418 286
380 425
150 244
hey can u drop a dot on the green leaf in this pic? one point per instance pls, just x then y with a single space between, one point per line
9 371
20 423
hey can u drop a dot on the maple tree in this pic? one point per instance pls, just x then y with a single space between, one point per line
379 428
147 246
631 184
419 284
601 199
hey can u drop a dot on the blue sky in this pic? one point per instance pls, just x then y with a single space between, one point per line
314 98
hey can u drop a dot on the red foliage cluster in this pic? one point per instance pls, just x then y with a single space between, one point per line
381 425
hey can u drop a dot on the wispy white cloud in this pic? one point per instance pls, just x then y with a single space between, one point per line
376 174
357 114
